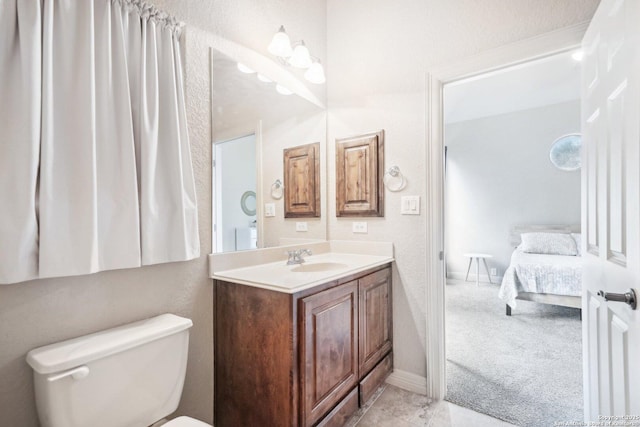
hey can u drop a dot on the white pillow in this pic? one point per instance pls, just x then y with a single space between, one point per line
578 238
549 244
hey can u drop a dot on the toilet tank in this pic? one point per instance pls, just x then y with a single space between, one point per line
129 376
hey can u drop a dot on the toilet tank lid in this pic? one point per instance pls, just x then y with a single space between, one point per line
77 351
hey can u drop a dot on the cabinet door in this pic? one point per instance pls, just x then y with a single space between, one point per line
302 181
359 174
329 338
375 318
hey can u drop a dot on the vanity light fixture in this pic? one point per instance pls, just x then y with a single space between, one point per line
296 55
280 44
315 73
264 79
301 57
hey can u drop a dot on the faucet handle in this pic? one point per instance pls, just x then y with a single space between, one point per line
293 257
306 251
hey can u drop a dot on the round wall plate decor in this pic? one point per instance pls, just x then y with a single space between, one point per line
565 152
248 203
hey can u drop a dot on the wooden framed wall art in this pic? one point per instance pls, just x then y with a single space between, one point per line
302 181
359 174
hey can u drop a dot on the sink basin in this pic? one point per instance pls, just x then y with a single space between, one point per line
318 266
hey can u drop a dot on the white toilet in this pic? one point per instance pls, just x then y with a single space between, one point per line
130 376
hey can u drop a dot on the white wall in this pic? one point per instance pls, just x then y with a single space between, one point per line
499 175
378 52
235 174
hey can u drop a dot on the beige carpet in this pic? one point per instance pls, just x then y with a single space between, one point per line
525 369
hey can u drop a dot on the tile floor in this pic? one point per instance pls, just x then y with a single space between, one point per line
394 407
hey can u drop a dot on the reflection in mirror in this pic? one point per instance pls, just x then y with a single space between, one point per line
253 122
235 175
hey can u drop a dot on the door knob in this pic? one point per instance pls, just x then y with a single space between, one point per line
628 297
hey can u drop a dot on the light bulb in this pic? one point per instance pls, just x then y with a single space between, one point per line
264 78
315 73
300 57
243 68
280 44
283 90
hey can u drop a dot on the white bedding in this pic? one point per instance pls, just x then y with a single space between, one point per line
545 274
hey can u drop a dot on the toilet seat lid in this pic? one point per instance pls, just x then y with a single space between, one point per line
185 422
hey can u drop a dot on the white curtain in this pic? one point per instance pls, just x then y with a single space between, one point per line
20 99
94 154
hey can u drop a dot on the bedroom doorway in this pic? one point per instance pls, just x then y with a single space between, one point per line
235 225
501 183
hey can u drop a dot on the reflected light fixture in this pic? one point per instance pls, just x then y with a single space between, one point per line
296 55
264 78
578 55
245 69
283 90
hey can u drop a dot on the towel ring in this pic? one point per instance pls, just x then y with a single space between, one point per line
277 189
394 174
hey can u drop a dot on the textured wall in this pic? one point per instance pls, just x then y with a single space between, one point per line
378 52
41 312
45 311
499 175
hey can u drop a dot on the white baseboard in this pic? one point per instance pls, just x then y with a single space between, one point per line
408 381
472 277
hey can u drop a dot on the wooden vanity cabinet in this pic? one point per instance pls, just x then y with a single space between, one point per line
305 359
329 349
375 318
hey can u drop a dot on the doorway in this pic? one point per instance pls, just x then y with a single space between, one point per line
499 183
235 225
513 54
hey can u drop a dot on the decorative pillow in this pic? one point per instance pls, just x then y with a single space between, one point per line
549 243
578 238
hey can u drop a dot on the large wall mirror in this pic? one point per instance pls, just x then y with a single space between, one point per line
259 109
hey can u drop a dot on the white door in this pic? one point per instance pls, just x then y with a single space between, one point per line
611 210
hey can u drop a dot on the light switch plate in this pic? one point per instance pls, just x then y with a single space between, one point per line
410 205
359 227
269 209
301 226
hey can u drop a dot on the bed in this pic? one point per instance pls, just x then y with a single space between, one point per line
546 271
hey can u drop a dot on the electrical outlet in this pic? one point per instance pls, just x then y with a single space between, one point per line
301 226
359 227
494 271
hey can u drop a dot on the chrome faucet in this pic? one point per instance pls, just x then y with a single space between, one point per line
295 256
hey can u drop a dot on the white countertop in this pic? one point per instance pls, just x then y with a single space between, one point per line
316 270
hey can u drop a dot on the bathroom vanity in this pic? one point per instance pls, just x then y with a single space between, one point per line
300 350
